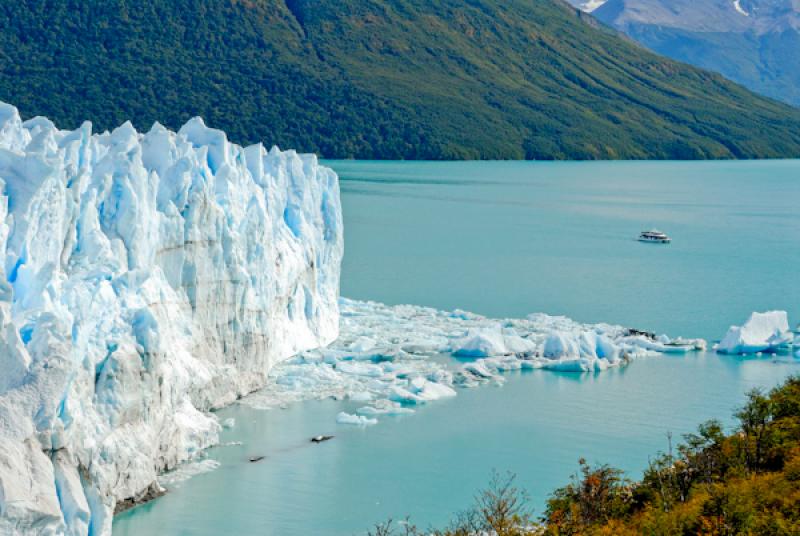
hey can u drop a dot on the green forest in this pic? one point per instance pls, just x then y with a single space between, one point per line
378 79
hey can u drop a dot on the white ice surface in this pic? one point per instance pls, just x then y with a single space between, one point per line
187 470
358 420
591 5
397 357
144 279
763 332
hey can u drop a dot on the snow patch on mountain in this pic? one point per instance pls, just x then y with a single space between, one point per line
144 280
591 5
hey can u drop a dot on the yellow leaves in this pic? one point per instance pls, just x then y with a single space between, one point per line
792 467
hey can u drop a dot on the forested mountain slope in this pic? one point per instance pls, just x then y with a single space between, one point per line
380 79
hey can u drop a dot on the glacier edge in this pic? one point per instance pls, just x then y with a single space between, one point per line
144 280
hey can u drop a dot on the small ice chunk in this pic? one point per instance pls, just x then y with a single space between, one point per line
518 345
359 369
435 391
503 364
570 365
422 345
384 407
481 342
187 470
589 345
415 385
362 344
479 368
400 394
358 420
560 344
361 396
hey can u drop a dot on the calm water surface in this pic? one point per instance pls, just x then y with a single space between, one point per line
507 239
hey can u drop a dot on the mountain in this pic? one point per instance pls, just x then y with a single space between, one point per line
588 5
380 79
753 42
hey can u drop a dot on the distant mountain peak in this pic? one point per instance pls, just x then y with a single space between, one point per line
756 16
753 42
590 5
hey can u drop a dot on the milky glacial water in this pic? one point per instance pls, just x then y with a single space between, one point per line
505 239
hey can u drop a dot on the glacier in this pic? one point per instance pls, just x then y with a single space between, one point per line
145 280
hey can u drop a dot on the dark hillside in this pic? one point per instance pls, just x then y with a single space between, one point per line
380 79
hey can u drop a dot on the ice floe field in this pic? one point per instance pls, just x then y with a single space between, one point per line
425 400
385 356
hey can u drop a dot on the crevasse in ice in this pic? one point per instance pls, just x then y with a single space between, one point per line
144 279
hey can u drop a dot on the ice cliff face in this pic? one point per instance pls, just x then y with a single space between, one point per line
144 279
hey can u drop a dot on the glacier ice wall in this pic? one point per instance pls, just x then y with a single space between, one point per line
144 279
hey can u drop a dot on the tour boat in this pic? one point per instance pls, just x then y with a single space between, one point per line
654 236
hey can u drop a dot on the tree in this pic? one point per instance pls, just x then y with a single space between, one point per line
594 496
500 510
754 419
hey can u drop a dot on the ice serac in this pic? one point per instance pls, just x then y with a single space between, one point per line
144 279
763 332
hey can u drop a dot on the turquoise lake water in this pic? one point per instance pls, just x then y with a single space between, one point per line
506 239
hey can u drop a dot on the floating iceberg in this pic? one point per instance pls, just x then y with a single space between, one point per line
358 420
384 407
482 342
144 279
398 357
763 332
